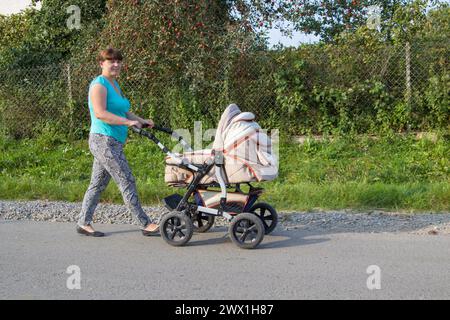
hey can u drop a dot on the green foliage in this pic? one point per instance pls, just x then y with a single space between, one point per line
176 61
329 18
408 20
187 62
41 37
358 84
25 106
437 96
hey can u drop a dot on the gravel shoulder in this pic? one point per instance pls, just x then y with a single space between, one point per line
348 221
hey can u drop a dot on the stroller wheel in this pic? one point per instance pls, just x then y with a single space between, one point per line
267 214
202 222
176 228
246 230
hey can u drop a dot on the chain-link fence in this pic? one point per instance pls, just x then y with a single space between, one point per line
310 89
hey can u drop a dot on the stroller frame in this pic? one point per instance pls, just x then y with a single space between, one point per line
183 206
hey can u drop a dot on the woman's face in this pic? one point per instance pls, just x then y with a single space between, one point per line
111 67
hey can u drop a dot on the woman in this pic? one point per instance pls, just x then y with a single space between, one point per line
110 117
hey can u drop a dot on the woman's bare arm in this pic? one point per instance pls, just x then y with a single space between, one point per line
98 99
132 116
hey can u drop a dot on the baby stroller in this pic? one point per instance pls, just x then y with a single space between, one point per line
214 178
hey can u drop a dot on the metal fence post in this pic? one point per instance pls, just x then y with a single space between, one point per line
69 82
69 95
408 73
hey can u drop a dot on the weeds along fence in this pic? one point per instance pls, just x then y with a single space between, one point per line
312 89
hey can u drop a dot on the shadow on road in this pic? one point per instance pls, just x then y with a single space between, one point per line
277 239
111 233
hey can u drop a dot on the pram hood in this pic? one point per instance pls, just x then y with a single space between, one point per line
240 138
247 150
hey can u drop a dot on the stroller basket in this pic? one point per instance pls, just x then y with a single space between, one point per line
236 201
171 202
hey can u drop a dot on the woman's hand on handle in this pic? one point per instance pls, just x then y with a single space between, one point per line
135 123
143 123
148 123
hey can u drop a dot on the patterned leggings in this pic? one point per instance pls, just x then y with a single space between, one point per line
109 161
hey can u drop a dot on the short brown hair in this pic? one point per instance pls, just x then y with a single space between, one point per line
110 54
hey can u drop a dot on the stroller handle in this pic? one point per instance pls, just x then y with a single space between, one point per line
183 142
162 129
164 149
159 128
155 127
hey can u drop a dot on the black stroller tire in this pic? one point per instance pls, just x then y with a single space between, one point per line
202 222
267 214
246 230
176 228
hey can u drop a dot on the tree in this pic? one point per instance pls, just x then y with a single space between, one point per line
329 18
408 20
40 37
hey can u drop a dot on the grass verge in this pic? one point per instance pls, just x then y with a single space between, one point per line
390 173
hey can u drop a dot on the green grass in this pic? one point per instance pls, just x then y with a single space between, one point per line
391 173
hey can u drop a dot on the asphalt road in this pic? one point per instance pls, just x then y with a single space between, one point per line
35 258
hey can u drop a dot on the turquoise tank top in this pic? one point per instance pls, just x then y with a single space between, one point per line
116 104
